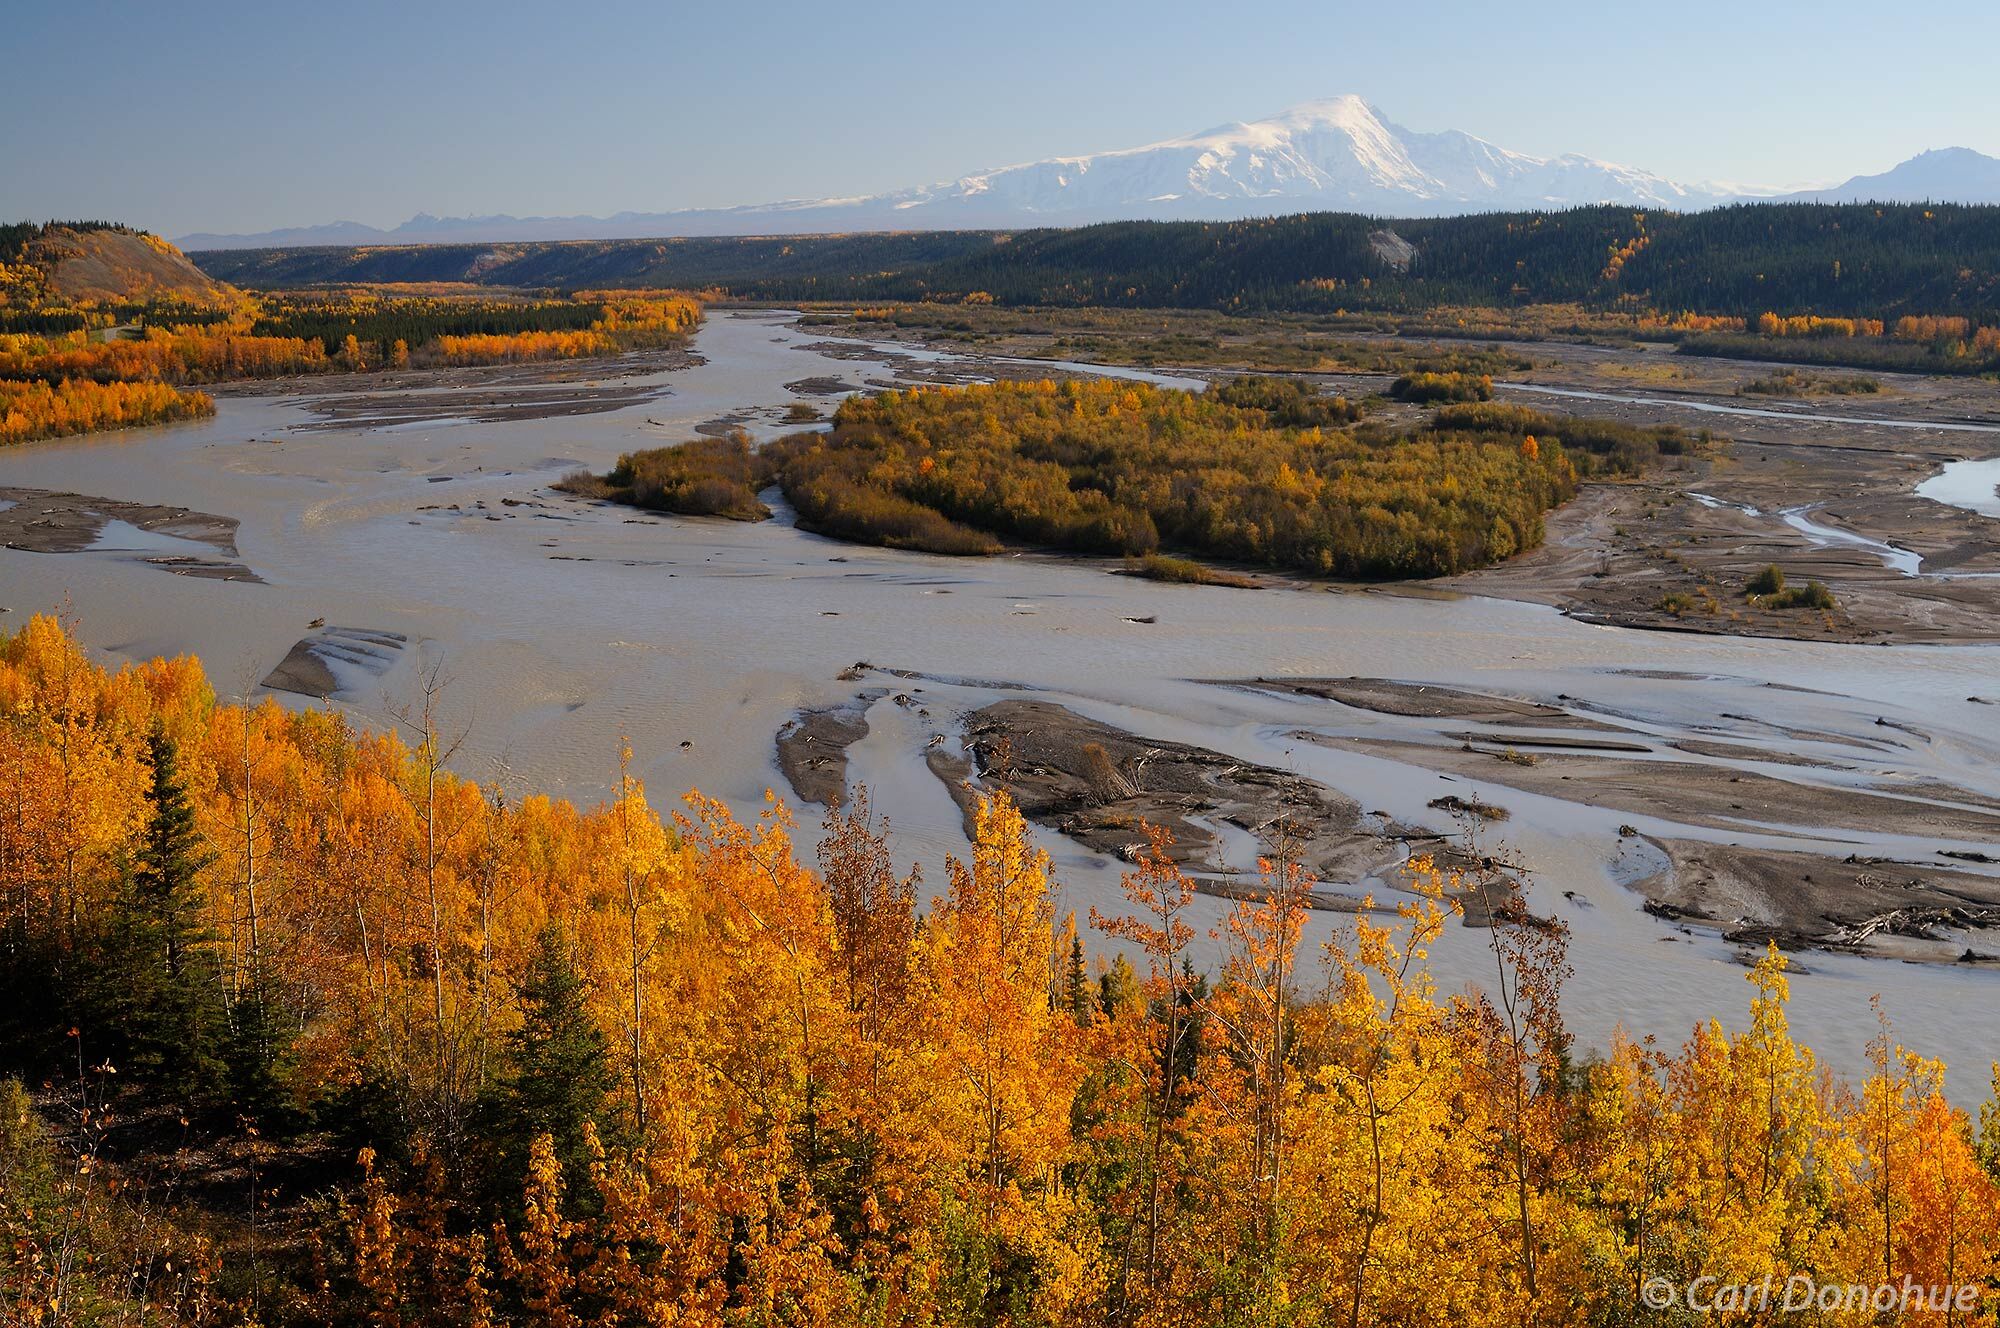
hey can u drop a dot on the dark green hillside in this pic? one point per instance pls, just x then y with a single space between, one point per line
799 265
1838 260
1850 260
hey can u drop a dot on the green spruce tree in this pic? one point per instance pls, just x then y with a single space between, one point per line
1077 995
159 997
558 1074
259 1050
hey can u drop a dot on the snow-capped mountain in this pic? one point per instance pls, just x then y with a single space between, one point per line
1336 154
1339 154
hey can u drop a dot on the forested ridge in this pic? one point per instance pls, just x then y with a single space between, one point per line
309 1029
803 263
58 263
1868 260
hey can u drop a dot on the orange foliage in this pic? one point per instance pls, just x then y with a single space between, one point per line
1932 328
503 347
1614 264
1693 322
851 1117
631 320
1811 325
38 410
167 357
75 383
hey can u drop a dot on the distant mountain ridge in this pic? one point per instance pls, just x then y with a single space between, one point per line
1943 175
1339 154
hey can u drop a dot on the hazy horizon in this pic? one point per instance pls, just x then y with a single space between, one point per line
375 115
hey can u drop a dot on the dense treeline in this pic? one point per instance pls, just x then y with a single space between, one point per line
177 343
47 320
1261 471
51 387
383 322
158 356
45 317
100 323
1848 260
22 281
43 410
353 332
1927 343
322 1033
470 329
1976 351
17 236
833 264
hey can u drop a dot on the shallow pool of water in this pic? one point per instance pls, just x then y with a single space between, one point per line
1901 561
124 537
1973 485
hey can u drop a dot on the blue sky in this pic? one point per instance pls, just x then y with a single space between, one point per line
241 117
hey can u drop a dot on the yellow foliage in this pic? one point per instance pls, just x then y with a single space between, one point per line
830 1113
38 410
